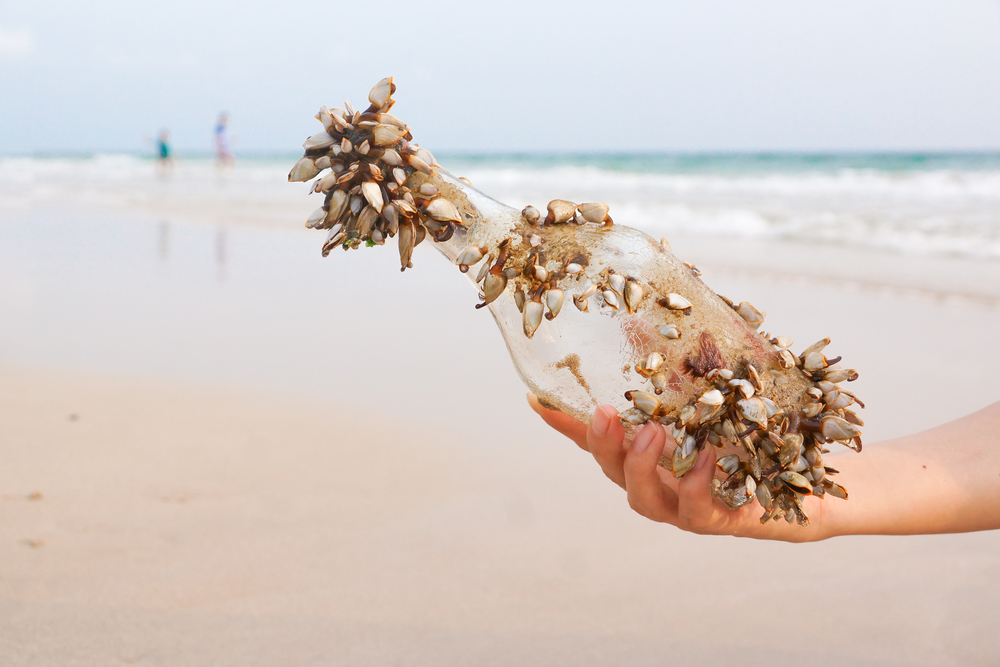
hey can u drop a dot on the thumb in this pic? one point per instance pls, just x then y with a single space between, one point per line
696 507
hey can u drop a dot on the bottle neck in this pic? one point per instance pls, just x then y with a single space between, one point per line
485 221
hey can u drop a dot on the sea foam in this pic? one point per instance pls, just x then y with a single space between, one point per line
932 205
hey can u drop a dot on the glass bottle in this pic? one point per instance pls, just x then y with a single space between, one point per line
594 312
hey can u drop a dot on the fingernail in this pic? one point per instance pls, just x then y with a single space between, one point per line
601 422
645 437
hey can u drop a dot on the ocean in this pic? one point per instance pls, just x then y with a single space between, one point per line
934 203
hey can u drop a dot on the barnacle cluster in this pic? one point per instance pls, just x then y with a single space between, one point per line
701 364
782 447
370 159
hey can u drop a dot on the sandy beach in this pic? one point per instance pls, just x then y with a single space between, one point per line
211 452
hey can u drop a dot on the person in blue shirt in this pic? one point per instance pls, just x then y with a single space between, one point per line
165 157
223 153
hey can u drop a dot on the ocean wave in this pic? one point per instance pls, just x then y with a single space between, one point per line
926 185
924 236
946 209
123 180
921 212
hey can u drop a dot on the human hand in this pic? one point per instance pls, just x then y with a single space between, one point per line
656 494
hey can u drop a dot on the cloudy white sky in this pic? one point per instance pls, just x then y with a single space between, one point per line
508 76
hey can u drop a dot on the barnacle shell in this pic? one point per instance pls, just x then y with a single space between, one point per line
386 135
560 211
443 210
594 212
532 317
837 428
318 140
645 401
303 170
373 194
753 409
796 482
470 256
711 397
610 298
315 217
676 302
752 316
554 301
669 331
381 92
633 294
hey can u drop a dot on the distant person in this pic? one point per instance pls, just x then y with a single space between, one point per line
165 156
223 153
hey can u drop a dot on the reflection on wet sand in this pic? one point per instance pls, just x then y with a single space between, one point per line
164 240
221 244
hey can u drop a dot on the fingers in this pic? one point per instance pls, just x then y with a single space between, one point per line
606 441
697 509
654 492
562 422
647 494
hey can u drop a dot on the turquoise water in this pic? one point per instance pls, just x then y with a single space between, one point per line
736 163
661 163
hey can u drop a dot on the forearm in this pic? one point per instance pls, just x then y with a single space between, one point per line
944 480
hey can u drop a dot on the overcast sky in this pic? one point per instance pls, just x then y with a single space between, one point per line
507 76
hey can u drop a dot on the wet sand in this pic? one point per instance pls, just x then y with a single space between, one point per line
213 454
